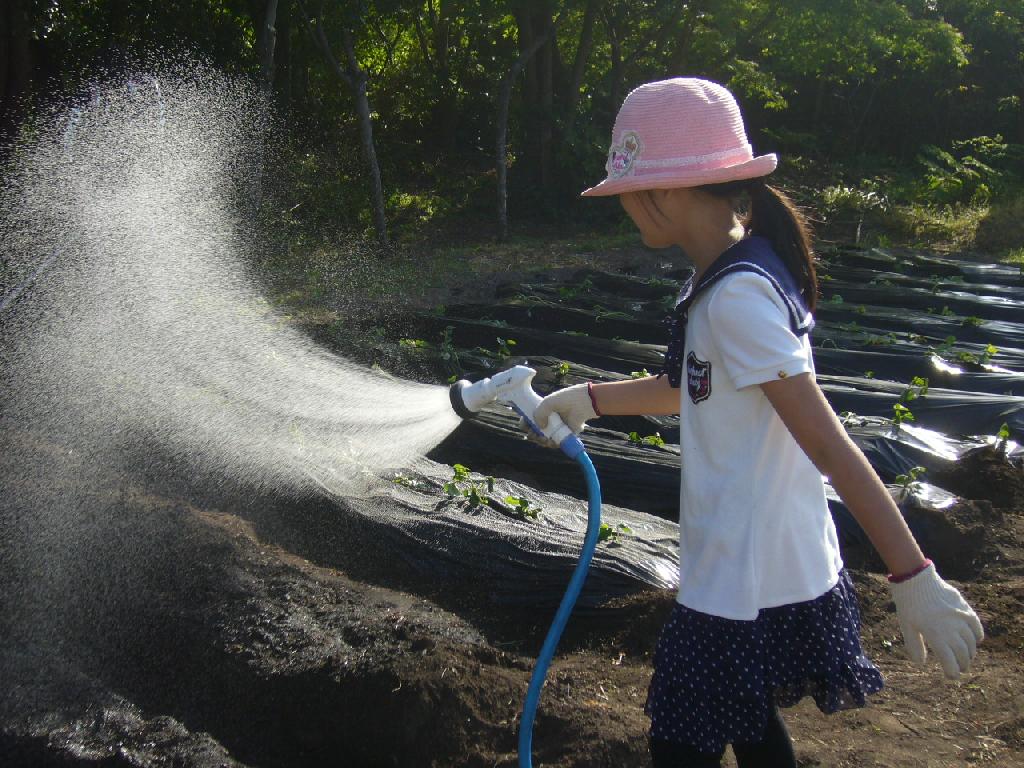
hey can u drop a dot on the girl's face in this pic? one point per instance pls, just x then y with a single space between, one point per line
662 216
701 224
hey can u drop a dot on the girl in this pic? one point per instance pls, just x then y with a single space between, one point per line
765 612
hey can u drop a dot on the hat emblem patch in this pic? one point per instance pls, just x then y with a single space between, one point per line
622 156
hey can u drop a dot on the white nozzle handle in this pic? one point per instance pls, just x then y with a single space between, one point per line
513 387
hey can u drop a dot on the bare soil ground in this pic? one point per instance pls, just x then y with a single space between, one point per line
225 647
208 628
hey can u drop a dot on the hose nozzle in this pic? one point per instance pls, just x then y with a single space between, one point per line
513 387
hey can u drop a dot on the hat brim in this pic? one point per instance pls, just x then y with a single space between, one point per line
685 177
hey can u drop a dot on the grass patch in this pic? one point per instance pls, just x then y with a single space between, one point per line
1002 228
943 228
1014 256
310 276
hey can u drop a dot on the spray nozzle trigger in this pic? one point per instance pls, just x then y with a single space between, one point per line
528 420
512 387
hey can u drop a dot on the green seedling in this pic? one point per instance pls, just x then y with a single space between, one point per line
449 355
475 497
860 309
521 506
980 359
409 482
1002 437
611 535
875 340
900 414
505 347
918 388
655 439
972 321
413 343
603 313
561 370
945 347
947 312
909 482
462 484
660 282
503 352
668 303
643 373
836 299
571 292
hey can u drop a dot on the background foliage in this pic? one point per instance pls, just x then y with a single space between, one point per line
917 99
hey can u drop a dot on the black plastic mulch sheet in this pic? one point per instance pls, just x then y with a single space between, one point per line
517 559
883 319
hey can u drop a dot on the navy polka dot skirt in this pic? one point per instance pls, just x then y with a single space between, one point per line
715 679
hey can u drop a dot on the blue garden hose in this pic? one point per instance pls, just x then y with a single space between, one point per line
564 609
512 387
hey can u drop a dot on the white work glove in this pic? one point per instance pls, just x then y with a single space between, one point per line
932 611
572 404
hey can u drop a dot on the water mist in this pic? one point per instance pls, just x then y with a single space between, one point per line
130 319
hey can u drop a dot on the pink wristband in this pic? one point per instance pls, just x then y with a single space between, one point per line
593 400
908 576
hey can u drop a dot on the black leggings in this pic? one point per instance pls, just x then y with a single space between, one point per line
775 750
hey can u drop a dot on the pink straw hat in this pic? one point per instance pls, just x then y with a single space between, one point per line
682 132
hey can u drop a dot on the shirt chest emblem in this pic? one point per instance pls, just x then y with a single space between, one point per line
698 378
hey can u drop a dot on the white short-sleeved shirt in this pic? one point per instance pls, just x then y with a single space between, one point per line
754 526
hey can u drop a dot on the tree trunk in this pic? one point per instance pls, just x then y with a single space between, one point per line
266 38
283 56
15 61
616 71
380 223
504 99
855 139
680 59
354 76
579 65
547 101
436 51
819 102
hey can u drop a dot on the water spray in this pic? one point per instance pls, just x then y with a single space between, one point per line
513 388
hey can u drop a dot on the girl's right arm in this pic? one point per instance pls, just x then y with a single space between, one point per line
649 396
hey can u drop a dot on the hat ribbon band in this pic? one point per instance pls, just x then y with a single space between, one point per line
678 162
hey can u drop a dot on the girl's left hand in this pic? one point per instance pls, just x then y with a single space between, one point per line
932 611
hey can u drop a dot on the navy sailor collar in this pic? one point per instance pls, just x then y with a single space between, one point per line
753 254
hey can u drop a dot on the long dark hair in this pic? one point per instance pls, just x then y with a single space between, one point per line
773 215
